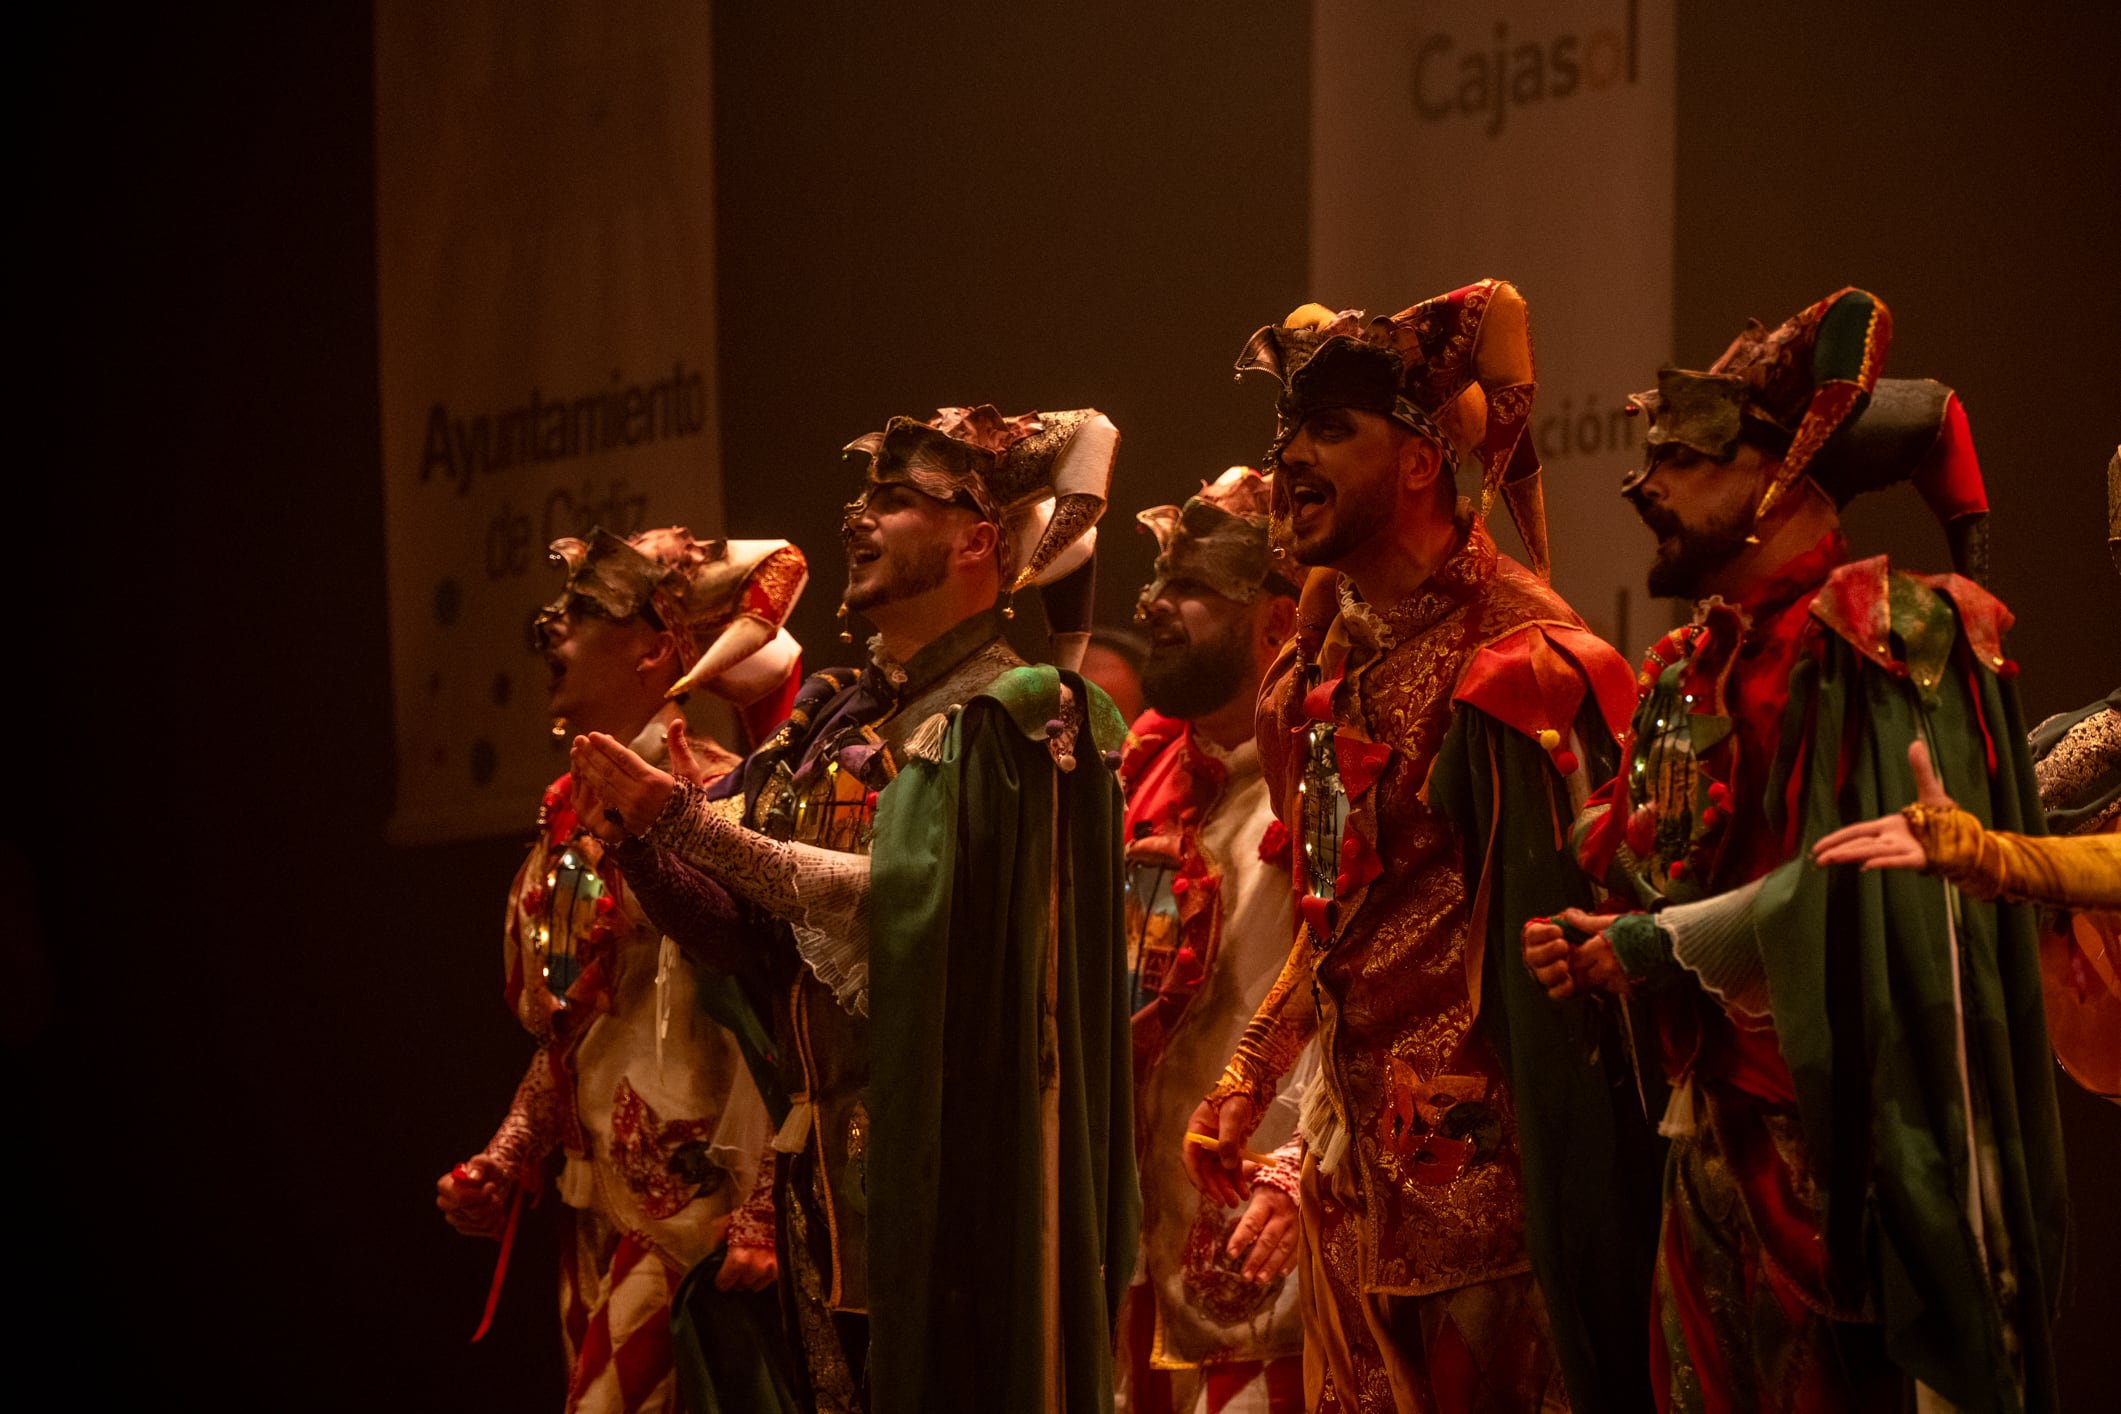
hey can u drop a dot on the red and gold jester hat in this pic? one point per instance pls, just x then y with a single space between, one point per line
1040 478
1217 539
1457 369
724 601
1816 381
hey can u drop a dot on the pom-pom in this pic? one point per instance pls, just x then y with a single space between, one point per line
1274 843
1055 726
1549 739
1565 762
1180 887
1677 871
1343 882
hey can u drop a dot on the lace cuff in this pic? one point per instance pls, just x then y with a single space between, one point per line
1713 939
1284 1168
752 1224
831 922
707 835
822 893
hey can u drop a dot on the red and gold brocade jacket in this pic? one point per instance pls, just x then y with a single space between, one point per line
1416 1126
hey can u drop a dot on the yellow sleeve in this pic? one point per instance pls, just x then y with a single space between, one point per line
1277 1034
2074 872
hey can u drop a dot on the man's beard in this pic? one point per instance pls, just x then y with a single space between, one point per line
1694 553
1356 511
902 576
1199 678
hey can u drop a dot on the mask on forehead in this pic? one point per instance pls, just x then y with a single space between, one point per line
1040 478
1217 539
1456 369
1814 381
724 601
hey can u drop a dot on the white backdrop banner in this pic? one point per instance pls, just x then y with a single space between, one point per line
545 244
1530 140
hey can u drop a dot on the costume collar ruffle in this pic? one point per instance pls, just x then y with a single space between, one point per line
892 680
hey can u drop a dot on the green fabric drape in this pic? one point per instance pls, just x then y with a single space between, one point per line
978 856
1586 1133
1861 981
732 1351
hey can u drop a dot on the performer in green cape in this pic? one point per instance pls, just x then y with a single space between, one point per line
1864 1199
928 854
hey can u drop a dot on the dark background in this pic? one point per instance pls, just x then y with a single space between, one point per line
246 1035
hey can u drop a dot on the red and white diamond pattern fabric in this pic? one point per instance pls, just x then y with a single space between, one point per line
615 1296
1232 1387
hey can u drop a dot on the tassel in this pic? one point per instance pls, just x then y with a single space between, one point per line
926 744
794 1134
1320 1127
1679 1121
665 958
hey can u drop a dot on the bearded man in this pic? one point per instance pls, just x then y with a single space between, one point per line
927 858
1436 714
645 1094
1212 1322
1863 1207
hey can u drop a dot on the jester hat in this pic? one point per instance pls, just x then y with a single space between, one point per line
1815 380
1040 478
724 601
1217 539
1456 369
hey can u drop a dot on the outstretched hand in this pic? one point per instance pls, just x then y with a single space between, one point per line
616 793
1887 842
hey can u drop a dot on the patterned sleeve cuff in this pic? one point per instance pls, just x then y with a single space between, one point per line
1952 841
752 1224
1235 1081
1284 1168
706 834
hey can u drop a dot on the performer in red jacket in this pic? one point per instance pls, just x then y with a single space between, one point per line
1438 713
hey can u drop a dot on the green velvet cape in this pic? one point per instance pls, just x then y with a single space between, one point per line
1860 978
982 850
1586 1132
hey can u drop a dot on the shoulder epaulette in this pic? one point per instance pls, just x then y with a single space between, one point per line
1534 681
1869 605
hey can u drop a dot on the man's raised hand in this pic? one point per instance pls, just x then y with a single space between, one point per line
616 793
1887 842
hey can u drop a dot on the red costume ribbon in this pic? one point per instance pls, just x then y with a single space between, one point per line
500 1265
